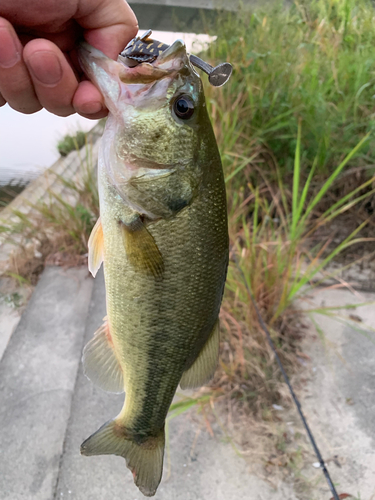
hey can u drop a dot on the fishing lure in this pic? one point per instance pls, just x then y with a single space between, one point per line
145 49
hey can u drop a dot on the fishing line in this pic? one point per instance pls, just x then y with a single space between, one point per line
286 378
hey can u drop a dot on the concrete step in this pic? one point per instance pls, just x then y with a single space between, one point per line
37 379
48 407
202 467
339 398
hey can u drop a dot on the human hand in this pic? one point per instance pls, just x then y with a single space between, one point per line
38 63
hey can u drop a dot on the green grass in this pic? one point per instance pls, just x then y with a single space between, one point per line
272 236
71 143
295 126
313 64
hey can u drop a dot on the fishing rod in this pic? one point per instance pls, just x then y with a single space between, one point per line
286 378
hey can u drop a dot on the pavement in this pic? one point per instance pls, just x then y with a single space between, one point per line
37 378
48 407
339 397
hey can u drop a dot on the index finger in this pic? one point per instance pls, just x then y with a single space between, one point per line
108 24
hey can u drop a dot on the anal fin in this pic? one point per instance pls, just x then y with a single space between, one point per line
141 248
203 368
100 363
95 245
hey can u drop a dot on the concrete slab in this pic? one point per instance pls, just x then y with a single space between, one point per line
9 319
202 467
42 423
37 377
13 300
188 16
339 399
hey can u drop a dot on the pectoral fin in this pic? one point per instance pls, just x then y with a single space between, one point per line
100 363
204 366
96 248
141 248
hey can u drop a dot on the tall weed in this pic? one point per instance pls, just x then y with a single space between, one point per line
312 63
272 234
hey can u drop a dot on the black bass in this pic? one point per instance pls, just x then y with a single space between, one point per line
163 238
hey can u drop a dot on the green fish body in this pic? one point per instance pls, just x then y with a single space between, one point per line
163 238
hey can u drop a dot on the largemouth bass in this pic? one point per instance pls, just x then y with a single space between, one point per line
163 238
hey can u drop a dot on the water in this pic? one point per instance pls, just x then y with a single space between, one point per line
28 143
18 177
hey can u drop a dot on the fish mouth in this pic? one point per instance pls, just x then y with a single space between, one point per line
126 80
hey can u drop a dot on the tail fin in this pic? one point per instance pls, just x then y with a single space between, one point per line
145 460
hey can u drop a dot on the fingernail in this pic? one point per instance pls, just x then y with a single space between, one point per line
45 67
89 108
9 53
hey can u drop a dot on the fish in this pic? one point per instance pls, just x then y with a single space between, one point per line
162 237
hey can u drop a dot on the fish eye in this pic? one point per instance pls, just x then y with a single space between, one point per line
183 107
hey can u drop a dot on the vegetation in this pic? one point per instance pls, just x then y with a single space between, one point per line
71 143
311 63
295 128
